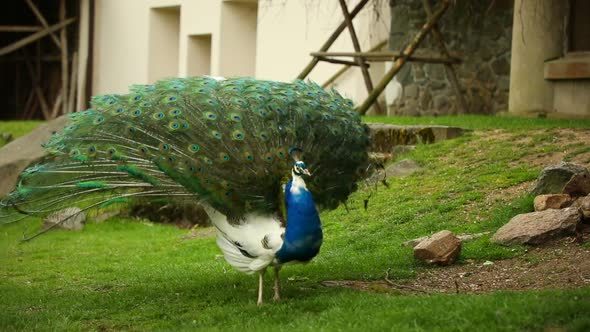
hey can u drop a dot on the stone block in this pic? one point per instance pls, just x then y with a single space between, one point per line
552 201
538 227
441 248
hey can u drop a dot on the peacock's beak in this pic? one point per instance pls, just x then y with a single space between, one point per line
306 172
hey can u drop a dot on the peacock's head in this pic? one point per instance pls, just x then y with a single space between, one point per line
300 169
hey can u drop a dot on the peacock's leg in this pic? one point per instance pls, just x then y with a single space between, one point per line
277 286
260 285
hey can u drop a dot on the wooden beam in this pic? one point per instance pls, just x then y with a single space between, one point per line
63 41
73 85
408 51
19 28
346 67
38 90
331 40
390 56
83 53
357 48
42 20
341 62
449 69
33 37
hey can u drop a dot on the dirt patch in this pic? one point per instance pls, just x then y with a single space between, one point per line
559 265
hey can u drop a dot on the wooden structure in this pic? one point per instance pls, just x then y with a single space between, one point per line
362 59
49 65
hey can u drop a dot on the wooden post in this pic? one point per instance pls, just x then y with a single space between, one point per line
397 65
83 50
33 37
63 40
331 40
38 90
449 69
73 85
346 67
357 48
42 20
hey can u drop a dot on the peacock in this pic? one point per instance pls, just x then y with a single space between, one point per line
261 157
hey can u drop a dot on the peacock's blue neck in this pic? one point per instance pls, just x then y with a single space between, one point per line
303 235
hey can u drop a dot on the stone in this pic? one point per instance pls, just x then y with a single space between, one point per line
552 201
440 102
411 91
386 136
553 179
425 100
69 218
435 72
538 227
24 151
485 74
583 203
463 237
578 185
441 248
501 66
402 168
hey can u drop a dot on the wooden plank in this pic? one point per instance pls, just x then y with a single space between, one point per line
342 70
449 69
341 62
357 48
20 28
408 51
331 40
33 37
42 20
390 56
63 41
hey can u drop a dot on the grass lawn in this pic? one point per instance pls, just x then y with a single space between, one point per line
139 276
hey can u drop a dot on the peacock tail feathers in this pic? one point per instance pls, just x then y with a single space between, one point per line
225 142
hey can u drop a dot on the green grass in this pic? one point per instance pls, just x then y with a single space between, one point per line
129 275
17 128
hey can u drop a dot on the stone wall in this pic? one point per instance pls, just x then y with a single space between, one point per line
480 32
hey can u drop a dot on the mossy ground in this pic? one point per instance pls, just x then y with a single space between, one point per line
138 276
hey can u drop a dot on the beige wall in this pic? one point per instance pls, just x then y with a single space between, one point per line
268 39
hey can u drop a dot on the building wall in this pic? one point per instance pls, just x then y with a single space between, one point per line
551 59
479 34
268 39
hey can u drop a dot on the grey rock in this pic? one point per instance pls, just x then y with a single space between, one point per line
501 66
402 168
553 179
578 185
538 227
440 102
583 203
70 218
24 151
411 91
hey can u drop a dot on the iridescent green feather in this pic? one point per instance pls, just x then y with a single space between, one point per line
221 141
